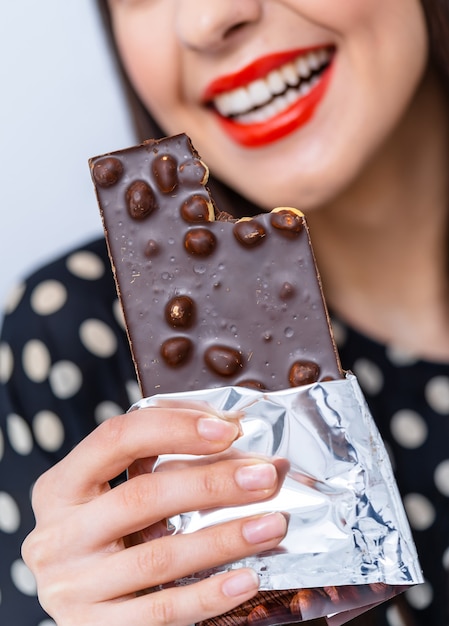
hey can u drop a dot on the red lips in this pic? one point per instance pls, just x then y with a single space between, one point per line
280 125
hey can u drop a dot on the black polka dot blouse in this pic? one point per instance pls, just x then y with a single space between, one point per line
65 367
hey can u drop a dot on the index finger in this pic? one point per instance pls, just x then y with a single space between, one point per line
112 447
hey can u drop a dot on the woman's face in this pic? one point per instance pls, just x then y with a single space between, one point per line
286 100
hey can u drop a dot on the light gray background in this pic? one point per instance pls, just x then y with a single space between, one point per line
60 104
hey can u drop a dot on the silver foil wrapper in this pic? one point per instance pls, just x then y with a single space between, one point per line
347 522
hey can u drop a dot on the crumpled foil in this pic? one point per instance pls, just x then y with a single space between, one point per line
347 522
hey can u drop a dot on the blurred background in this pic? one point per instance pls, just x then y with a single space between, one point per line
59 105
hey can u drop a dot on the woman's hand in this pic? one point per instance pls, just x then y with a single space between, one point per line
77 552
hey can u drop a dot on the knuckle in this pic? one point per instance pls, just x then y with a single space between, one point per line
163 610
34 551
137 493
113 430
53 591
40 490
27 549
153 557
52 600
209 598
216 484
207 603
223 543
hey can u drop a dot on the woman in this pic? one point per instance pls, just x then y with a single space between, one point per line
362 148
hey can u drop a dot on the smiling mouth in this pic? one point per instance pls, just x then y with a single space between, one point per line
267 97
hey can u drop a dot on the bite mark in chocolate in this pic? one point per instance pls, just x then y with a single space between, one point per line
209 300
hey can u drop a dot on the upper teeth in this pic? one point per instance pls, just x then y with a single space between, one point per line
262 91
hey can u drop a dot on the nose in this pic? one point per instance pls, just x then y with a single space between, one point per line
207 25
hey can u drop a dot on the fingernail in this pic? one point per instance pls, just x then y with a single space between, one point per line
216 429
256 477
265 528
241 583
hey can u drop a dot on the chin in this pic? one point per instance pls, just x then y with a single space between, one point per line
308 193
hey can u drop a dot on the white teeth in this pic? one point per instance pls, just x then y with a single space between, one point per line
241 101
280 103
223 104
313 61
302 67
268 96
235 102
304 89
289 74
275 82
291 95
259 92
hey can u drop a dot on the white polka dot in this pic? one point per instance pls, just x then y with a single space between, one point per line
85 264
48 297
421 596
105 410
394 617
14 297
98 338
48 430
118 314
9 513
22 578
445 559
441 477
19 434
420 511
6 362
408 428
65 379
2 445
36 360
339 332
133 391
437 394
47 622
369 375
400 357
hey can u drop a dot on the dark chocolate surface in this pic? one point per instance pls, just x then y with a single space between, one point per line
208 303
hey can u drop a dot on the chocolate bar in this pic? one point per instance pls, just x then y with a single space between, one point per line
209 300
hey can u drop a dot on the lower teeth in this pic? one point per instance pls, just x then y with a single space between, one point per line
279 103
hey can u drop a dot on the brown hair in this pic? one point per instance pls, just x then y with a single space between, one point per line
437 17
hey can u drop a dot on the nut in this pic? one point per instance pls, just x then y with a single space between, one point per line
258 613
307 603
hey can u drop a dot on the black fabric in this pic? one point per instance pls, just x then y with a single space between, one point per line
66 366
